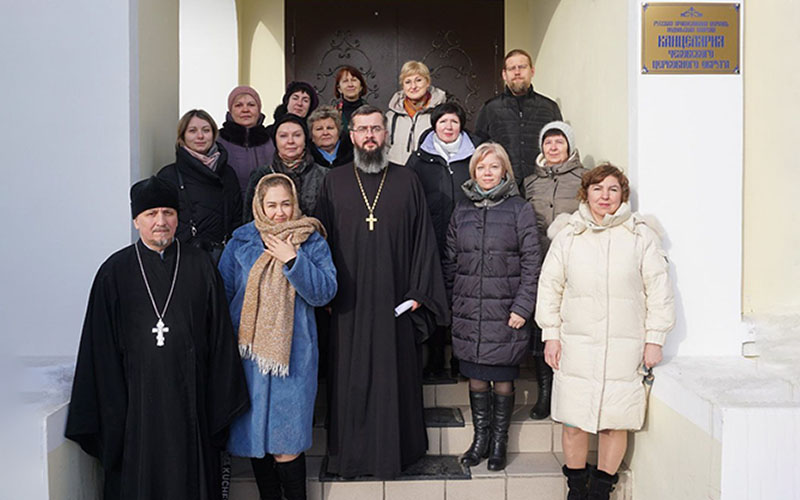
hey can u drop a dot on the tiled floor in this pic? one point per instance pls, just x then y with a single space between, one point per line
528 475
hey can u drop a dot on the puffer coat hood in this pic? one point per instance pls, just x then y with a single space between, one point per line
604 291
553 190
404 131
491 267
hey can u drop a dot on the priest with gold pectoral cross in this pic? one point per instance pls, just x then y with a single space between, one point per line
384 249
158 378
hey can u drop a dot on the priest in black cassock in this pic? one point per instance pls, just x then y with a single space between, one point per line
158 377
385 252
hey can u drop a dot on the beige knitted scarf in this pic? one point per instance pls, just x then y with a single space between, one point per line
267 321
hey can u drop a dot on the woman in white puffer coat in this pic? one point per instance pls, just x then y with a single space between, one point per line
605 306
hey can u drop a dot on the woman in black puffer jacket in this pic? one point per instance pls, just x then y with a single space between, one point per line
442 164
492 262
210 197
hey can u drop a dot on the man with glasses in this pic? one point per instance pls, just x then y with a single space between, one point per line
390 297
515 117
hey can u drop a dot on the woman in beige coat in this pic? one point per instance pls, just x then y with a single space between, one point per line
605 306
410 109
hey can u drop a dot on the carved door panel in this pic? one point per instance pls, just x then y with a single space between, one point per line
461 41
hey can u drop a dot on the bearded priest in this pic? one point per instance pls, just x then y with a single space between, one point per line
158 378
385 252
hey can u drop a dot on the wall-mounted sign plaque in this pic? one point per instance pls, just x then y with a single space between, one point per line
690 38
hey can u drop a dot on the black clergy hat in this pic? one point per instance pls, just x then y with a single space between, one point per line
152 193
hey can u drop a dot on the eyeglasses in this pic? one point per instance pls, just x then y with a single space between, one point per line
375 129
520 67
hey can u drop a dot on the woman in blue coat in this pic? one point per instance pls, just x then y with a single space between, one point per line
276 269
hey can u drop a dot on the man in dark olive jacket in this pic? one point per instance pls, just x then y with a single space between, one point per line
515 117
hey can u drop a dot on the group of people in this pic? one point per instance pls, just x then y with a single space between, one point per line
371 233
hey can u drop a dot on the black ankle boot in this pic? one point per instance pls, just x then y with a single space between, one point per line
577 482
481 405
503 408
269 485
544 379
601 485
293 477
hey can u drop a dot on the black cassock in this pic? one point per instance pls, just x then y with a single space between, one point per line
157 417
376 418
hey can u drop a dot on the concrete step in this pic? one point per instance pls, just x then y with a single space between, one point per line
457 394
527 476
525 435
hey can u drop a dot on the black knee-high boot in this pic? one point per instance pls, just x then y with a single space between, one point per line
481 405
269 485
293 477
501 421
601 485
544 380
577 482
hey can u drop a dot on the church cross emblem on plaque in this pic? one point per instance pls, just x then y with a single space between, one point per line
160 329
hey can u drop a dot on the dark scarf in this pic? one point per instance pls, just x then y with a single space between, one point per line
243 136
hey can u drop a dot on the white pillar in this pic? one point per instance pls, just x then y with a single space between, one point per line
209 55
686 157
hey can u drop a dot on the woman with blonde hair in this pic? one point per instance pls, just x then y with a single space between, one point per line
276 269
409 110
491 266
605 307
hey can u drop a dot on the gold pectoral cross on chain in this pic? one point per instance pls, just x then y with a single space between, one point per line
372 220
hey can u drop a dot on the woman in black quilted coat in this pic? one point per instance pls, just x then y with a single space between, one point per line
491 263
210 197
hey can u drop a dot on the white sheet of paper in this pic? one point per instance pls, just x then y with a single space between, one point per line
405 306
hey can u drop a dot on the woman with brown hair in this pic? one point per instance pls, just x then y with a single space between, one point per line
350 89
210 199
605 307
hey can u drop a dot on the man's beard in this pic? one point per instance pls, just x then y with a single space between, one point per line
371 162
519 87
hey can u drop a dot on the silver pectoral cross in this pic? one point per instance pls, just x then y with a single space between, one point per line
372 220
160 329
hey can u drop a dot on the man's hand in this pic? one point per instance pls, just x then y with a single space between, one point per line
515 321
552 353
415 305
281 250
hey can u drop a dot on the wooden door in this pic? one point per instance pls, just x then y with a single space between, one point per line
461 41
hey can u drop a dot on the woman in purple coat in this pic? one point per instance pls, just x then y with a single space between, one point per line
244 136
491 268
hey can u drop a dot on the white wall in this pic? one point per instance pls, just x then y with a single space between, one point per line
686 136
66 98
209 55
